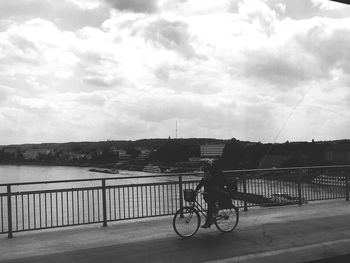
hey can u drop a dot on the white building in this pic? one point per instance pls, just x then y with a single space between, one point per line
212 150
123 155
32 154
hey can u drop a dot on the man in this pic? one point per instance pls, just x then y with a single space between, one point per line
213 181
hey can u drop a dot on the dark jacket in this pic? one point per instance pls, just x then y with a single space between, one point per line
214 185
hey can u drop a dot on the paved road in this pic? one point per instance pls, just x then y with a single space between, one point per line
288 234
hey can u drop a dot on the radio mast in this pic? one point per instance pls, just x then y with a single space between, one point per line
176 129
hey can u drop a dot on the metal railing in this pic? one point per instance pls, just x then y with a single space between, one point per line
42 205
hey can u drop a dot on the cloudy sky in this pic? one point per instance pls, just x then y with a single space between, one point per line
258 70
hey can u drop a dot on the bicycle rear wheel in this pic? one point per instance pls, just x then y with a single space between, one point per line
227 219
186 222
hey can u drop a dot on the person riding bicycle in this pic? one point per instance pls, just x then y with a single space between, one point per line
213 181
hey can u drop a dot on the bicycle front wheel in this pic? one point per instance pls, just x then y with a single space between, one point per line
186 222
227 219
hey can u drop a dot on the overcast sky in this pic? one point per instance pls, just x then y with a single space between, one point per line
258 70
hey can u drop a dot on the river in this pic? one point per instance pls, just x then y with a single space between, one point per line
34 173
31 173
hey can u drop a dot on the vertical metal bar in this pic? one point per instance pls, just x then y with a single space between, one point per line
78 206
119 206
2 215
147 208
22 212
83 203
98 205
104 204
16 212
138 201
67 203
28 210
172 198
34 211
133 201
245 194
45 211
56 209
299 191
115 205
93 205
88 205
73 207
155 199
150 199
166 197
62 213
128 202
180 192
51 208
160 200
40 211
9 211
142 198
110 204
123 195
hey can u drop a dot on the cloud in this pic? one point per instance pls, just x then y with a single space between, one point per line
277 68
222 69
327 40
91 99
6 93
38 43
172 35
60 12
137 6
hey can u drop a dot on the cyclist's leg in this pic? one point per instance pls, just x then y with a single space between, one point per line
211 210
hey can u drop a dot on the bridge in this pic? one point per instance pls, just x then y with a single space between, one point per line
284 234
292 231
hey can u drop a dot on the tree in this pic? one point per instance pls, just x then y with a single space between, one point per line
234 154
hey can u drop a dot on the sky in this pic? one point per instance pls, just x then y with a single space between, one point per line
95 70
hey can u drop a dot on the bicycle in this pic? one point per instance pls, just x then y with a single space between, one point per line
187 220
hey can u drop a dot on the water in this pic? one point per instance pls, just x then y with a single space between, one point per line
30 173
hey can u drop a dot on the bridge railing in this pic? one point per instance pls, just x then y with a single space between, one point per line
52 204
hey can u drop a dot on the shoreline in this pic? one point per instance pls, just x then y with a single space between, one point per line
107 165
125 167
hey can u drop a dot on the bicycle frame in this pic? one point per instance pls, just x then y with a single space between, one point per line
197 206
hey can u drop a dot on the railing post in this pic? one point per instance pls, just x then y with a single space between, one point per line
104 202
346 186
245 194
181 195
300 200
9 211
181 192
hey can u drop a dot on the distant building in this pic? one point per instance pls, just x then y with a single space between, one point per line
338 152
212 150
144 154
11 150
32 154
123 155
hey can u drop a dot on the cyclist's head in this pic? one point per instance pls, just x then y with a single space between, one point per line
206 164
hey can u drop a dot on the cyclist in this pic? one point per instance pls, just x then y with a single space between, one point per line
213 181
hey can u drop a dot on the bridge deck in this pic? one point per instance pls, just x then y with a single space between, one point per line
292 234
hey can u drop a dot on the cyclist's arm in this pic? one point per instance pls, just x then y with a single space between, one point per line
199 186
